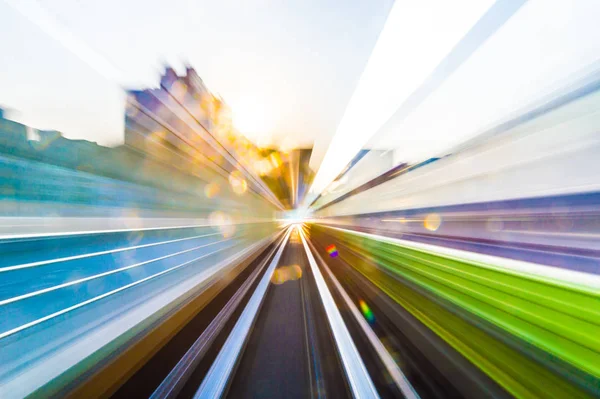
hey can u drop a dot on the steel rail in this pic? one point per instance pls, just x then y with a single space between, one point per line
180 374
359 379
215 381
384 355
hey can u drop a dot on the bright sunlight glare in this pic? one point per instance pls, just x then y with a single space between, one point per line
250 117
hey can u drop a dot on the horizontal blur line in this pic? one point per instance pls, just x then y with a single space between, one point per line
495 244
455 218
77 233
110 251
553 233
9 237
21 225
108 273
557 275
99 297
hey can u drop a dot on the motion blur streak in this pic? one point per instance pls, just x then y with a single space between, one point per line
102 245
532 328
556 318
388 199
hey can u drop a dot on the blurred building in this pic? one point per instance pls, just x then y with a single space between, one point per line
184 124
180 122
41 169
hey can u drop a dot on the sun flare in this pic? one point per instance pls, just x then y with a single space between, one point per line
251 119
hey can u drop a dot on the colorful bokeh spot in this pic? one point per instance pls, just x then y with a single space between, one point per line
286 273
366 311
332 250
237 182
432 222
211 190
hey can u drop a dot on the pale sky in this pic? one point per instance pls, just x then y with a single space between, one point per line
293 64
